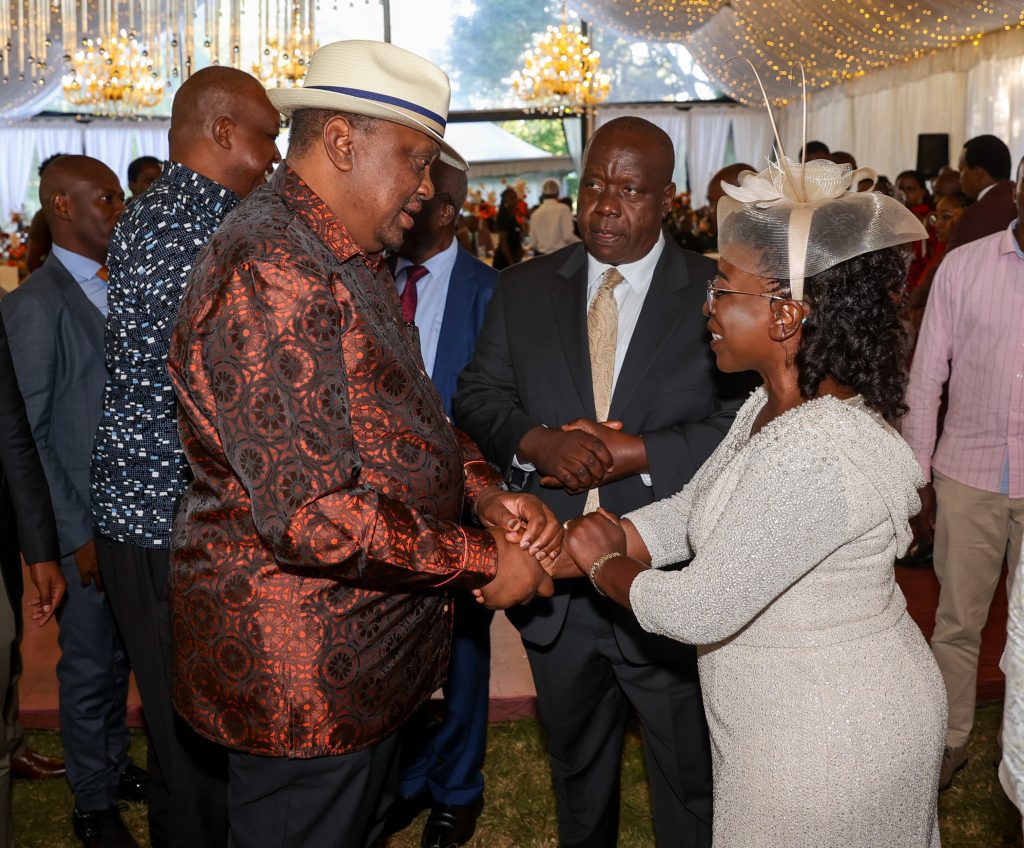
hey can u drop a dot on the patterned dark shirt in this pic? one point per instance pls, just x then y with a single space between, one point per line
138 469
312 547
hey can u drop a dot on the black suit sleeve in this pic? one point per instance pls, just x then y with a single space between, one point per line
23 474
487 404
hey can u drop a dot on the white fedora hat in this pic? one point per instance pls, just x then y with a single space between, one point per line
376 79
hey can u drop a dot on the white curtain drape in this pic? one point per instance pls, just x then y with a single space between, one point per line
113 144
672 120
54 138
23 98
752 137
15 169
152 140
573 130
963 91
708 136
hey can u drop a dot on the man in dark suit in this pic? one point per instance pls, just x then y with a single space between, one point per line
445 290
985 178
55 329
547 373
26 524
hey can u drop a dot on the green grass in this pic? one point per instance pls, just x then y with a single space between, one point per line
520 810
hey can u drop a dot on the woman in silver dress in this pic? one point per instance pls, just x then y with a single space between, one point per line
826 709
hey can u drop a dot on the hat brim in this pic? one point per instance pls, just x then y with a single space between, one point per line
288 100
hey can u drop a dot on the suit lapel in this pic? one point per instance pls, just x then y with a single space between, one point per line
457 314
659 316
92 319
569 300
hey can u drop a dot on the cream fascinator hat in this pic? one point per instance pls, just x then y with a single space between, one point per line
792 221
379 80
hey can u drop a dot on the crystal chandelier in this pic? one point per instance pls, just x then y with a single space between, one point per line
285 51
561 73
114 76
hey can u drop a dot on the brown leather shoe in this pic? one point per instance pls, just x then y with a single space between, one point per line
31 765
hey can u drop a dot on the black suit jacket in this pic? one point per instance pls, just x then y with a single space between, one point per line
532 367
991 214
26 516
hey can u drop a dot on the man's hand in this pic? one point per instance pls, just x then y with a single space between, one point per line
88 568
574 459
51 587
526 520
563 566
923 524
628 452
518 580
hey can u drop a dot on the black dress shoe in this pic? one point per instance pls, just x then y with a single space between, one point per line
31 765
101 829
450 825
132 784
402 812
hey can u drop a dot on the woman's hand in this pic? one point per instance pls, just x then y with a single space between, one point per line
592 536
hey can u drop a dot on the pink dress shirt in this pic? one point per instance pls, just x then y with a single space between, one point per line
974 319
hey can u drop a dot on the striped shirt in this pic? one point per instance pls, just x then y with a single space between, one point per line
974 320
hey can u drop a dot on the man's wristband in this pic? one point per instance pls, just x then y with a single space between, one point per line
597 566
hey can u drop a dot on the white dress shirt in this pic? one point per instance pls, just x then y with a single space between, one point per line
431 296
551 226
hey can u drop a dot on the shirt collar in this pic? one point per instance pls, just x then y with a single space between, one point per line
985 191
317 215
1008 243
204 190
437 264
636 274
81 268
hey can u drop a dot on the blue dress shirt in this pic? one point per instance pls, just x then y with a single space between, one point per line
83 270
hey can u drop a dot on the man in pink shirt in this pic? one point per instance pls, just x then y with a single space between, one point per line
972 335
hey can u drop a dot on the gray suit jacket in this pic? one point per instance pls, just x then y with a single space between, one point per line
56 339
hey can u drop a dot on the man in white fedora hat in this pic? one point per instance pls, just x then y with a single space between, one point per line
313 550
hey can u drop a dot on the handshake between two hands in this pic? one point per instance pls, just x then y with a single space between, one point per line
532 549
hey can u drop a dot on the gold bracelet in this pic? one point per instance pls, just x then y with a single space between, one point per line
597 566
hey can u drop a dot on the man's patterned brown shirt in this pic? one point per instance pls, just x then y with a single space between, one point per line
311 551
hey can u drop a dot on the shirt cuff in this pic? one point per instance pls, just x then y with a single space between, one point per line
522 466
646 480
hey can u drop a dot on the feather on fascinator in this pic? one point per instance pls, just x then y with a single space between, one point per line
792 221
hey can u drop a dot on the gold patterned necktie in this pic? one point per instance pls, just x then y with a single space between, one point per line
602 334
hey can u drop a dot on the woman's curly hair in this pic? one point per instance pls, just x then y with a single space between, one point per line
854 332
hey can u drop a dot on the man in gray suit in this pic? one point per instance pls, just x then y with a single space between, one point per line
55 329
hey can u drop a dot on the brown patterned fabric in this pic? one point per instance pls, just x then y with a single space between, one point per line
310 551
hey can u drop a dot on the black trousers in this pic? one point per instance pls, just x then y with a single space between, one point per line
326 802
585 688
187 774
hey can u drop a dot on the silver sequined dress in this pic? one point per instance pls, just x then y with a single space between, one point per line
826 709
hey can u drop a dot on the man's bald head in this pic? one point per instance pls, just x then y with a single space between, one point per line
638 134
730 175
224 127
82 200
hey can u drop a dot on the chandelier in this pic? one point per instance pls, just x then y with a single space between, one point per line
114 76
561 73
283 59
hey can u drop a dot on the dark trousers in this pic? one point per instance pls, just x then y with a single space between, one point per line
92 681
326 802
584 691
13 742
187 774
447 762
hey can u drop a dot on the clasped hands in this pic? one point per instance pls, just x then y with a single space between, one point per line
528 537
583 454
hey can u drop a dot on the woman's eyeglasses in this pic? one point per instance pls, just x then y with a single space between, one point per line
714 292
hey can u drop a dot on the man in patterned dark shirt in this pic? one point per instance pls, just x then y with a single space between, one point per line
222 145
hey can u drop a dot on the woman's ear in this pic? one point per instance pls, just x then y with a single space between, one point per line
787 318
